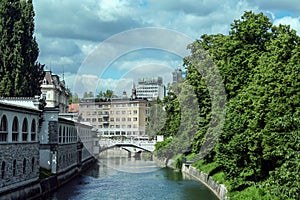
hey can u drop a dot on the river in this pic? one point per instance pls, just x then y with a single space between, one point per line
122 178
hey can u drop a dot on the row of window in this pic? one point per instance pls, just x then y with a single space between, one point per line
14 130
119 126
67 134
5 168
123 112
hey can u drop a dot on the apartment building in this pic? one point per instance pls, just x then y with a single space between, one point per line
117 116
151 88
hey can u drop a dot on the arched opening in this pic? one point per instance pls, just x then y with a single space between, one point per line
59 135
15 129
33 130
3 129
25 130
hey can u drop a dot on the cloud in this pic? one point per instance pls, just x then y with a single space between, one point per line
69 32
294 22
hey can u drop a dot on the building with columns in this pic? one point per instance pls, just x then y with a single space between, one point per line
19 142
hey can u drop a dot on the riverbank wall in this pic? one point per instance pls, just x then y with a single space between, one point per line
40 189
219 189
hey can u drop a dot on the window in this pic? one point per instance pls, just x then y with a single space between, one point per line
99 119
59 135
2 169
118 112
117 119
3 129
14 167
123 119
25 130
129 119
135 112
64 135
135 119
129 126
32 164
123 126
112 119
123 112
15 129
33 130
24 166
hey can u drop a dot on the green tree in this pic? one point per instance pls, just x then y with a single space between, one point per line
21 74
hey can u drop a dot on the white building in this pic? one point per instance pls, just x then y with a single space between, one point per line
55 92
151 88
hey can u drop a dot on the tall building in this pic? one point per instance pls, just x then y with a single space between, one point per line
151 88
55 92
177 75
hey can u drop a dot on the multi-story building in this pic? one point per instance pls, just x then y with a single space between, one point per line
117 116
55 92
177 75
151 88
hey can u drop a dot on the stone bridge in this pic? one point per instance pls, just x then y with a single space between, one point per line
128 145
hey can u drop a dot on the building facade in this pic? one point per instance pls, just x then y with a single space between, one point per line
151 88
55 92
177 75
19 144
117 116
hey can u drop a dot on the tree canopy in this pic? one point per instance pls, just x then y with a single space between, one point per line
259 145
20 73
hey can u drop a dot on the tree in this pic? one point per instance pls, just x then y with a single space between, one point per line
20 73
260 65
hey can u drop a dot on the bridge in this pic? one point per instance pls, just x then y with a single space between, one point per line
128 145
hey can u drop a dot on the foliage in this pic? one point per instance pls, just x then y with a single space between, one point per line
258 148
106 94
20 73
44 173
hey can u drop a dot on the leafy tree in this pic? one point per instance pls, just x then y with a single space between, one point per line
259 144
20 73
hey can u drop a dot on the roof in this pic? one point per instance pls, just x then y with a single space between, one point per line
73 108
21 102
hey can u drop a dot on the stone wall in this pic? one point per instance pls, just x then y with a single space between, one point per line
19 164
67 156
219 189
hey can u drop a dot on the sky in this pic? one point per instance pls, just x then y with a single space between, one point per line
95 45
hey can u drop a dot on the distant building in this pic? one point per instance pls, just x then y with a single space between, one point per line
151 88
177 75
116 116
55 92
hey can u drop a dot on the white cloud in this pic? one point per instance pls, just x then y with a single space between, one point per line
294 22
112 10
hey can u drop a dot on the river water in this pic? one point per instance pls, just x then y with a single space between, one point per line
122 178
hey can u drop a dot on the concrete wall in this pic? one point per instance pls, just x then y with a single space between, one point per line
219 189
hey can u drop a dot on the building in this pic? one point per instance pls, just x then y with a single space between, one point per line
19 142
177 75
55 92
150 88
117 116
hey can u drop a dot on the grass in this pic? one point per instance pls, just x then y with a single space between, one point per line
44 173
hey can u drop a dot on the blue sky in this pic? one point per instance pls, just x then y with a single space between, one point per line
84 38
